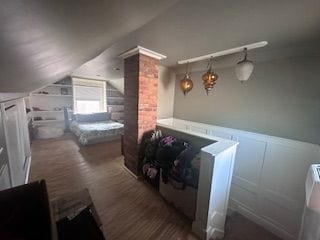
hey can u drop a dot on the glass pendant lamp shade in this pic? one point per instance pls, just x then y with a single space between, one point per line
244 68
209 78
186 83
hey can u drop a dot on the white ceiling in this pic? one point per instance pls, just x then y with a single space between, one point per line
44 41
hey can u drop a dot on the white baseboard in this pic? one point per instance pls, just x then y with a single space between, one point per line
216 234
210 233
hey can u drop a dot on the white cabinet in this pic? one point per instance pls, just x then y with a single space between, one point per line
17 142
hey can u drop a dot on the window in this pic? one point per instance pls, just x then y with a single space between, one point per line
89 96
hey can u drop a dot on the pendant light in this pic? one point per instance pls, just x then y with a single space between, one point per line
209 78
244 68
186 83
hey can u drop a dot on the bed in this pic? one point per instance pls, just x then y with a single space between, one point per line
95 128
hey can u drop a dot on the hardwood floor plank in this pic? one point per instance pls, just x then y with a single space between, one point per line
128 208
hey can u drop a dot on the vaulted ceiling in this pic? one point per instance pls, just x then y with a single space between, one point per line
44 41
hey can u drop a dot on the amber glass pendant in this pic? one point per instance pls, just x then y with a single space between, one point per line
209 78
186 83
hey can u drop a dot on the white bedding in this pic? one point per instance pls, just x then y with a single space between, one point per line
94 132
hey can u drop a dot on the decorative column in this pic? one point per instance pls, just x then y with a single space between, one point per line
140 101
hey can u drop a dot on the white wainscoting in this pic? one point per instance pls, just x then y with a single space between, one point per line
268 178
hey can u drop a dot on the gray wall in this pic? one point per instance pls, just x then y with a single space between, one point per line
166 84
282 98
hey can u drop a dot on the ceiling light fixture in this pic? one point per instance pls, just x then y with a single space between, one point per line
244 68
186 83
209 78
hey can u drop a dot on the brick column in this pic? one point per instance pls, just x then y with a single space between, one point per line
140 101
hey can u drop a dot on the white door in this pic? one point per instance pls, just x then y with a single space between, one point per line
4 171
16 140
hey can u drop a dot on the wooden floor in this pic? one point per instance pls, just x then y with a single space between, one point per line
128 208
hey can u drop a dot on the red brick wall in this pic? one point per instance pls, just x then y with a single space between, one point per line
140 104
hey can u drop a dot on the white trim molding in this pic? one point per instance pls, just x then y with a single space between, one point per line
224 52
142 50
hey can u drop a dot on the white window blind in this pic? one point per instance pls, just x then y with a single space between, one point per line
89 96
87 93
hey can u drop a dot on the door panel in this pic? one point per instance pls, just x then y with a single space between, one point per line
4 177
16 138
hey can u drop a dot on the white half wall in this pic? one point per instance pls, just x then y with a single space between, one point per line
216 167
268 178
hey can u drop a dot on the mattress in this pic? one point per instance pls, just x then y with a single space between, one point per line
94 132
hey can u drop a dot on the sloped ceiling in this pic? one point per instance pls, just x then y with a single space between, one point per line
194 28
43 41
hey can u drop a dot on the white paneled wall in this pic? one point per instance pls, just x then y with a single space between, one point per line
268 178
